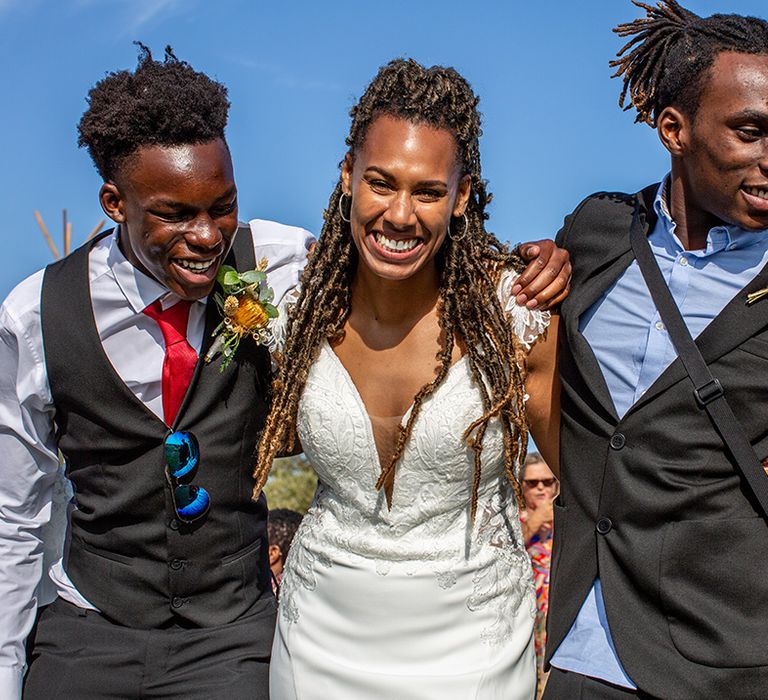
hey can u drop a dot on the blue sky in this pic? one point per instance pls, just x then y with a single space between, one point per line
553 130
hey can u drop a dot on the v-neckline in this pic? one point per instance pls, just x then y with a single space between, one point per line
364 410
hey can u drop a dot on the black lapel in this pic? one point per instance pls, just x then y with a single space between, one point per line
616 259
737 322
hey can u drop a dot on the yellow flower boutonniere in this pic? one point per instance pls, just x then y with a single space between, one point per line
246 305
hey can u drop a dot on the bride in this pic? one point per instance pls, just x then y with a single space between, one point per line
410 375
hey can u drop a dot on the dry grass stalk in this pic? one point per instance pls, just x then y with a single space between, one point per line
67 233
96 229
47 235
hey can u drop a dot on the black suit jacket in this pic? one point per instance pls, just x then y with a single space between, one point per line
652 502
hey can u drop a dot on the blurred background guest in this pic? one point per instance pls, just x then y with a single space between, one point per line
539 489
282 526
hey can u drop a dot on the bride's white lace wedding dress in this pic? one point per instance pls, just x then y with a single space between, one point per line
415 601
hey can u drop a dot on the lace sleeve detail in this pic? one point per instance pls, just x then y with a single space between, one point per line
527 324
280 324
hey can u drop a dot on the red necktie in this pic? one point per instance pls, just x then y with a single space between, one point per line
180 356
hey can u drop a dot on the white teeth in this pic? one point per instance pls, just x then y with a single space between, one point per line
396 246
195 266
757 192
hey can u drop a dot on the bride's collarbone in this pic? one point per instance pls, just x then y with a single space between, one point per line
388 375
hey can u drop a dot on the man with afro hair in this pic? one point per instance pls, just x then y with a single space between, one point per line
102 357
165 590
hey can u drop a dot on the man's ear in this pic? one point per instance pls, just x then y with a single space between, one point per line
346 174
275 555
674 129
112 202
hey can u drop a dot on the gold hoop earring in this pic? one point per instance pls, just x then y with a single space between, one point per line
460 237
341 207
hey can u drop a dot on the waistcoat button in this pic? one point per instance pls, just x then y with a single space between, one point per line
604 526
618 441
176 564
173 524
177 602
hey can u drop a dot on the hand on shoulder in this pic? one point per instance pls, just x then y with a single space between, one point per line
545 281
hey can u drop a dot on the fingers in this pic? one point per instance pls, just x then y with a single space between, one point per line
554 293
544 282
529 251
537 255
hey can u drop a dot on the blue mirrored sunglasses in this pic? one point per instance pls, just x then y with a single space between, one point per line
182 456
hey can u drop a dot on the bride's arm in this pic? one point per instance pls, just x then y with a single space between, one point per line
543 387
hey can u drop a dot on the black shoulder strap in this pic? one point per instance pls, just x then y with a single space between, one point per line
707 390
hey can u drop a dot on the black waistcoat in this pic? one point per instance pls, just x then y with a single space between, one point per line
129 555
652 502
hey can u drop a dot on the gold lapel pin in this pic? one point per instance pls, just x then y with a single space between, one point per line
757 296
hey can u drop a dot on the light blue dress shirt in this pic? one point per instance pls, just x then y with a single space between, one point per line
702 282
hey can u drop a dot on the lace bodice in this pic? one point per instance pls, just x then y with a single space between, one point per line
429 523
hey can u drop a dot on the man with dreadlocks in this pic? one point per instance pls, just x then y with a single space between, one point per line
404 373
659 586
99 358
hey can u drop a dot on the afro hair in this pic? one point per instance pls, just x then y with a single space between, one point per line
161 103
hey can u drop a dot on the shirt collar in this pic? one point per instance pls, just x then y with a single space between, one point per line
719 238
139 290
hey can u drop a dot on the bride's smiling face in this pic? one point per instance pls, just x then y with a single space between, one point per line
405 182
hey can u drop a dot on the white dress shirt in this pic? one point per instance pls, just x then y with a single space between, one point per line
32 511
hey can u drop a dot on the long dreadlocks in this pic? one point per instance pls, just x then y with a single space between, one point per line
469 308
670 52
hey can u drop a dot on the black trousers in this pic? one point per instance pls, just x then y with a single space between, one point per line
566 685
80 655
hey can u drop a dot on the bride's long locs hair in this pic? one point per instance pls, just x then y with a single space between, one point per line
471 262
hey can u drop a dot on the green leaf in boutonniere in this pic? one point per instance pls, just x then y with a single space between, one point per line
247 310
253 277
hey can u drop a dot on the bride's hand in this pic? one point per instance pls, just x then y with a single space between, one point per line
544 283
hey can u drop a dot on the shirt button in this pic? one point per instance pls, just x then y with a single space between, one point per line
683 261
618 441
176 564
177 602
173 524
659 326
604 526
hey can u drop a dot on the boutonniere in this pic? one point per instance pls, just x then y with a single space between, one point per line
246 305
757 296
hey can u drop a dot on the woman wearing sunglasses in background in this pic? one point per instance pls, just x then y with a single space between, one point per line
409 374
540 489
